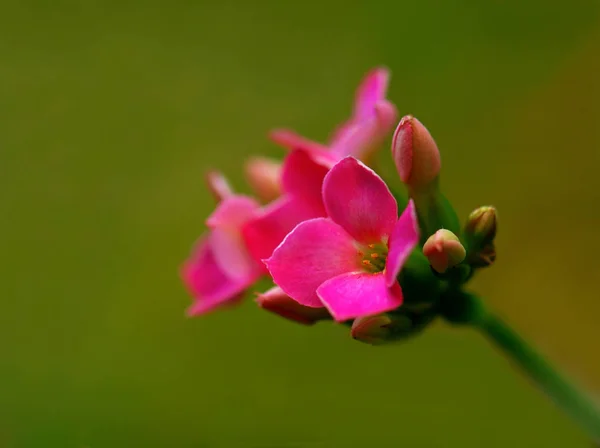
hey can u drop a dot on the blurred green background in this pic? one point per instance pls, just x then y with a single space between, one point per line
111 111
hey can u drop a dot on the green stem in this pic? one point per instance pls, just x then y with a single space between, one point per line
558 388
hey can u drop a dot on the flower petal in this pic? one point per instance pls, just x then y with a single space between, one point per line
361 137
372 89
226 241
355 294
218 185
208 283
291 140
358 199
403 240
231 254
263 233
314 252
303 174
233 212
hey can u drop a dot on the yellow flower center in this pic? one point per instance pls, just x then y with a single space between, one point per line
373 257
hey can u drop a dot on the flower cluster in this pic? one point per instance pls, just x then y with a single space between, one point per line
334 239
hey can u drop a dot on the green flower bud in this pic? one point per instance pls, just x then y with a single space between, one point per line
479 233
481 226
444 250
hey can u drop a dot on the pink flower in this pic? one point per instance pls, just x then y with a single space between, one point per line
220 268
301 180
372 119
348 262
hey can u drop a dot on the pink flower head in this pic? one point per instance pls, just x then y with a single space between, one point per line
372 119
220 267
348 262
301 180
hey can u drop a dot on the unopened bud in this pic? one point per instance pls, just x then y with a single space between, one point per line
444 250
480 229
278 302
218 185
264 176
373 330
415 153
400 325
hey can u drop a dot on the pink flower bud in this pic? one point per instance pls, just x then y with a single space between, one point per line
264 176
278 302
374 330
444 250
415 153
218 185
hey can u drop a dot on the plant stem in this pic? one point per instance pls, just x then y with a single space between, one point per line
558 388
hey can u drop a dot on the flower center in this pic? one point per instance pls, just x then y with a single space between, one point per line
373 257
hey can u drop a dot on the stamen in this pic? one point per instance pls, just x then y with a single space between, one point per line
367 263
371 246
374 255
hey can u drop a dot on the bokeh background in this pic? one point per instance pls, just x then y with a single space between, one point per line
110 113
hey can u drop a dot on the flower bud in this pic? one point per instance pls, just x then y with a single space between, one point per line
278 302
218 185
480 229
399 325
444 250
264 176
372 330
415 153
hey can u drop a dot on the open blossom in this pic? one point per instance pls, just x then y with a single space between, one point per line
301 181
372 119
349 261
220 268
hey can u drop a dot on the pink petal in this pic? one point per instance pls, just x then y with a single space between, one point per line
387 117
233 212
358 199
218 185
360 138
403 240
353 295
303 174
291 140
208 283
231 254
372 89
311 254
354 139
226 242
340 134
263 233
